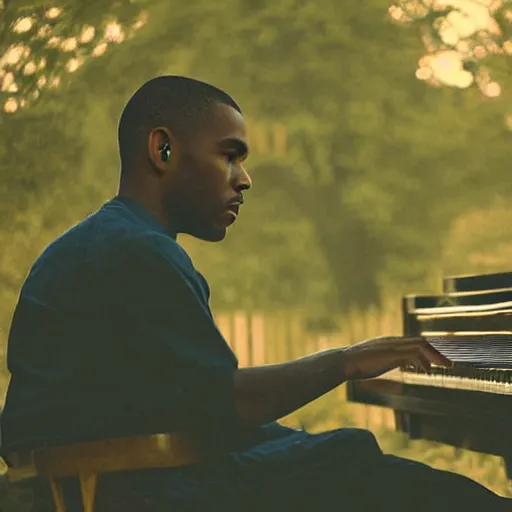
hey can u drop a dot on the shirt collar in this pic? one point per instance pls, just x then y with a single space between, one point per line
142 214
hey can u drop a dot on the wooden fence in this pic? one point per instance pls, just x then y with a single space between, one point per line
266 338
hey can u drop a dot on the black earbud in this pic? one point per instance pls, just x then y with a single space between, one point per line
165 152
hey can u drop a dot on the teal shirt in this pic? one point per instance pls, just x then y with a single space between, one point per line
113 336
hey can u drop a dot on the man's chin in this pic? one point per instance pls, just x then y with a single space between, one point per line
215 234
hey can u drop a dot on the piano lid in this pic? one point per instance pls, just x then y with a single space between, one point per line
482 298
480 282
465 321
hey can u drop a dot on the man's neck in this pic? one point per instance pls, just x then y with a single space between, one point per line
148 203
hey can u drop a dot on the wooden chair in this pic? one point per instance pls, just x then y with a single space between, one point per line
87 461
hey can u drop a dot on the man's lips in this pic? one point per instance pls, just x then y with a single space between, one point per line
231 213
234 208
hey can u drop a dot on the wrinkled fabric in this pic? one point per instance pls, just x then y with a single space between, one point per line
340 470
113 336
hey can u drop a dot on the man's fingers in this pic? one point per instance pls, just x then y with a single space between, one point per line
428 351
435 357
421 361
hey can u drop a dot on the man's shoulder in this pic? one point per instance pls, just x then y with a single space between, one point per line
158 256
112 241
122 233
105 231
82 247
150 247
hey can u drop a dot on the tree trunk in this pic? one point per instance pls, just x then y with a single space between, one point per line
353 255
354 258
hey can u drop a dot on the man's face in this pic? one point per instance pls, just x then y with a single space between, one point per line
205 192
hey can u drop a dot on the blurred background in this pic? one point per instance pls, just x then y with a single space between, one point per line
380 141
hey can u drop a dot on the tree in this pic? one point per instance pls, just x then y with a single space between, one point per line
376 163
372 150
480 241
41 44
51 170
461 37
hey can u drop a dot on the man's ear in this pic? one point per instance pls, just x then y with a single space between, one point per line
161 144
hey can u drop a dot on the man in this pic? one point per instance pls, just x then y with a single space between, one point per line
113 337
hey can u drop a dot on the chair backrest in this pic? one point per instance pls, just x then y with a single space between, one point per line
87 461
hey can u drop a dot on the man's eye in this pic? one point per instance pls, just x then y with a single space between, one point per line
231 157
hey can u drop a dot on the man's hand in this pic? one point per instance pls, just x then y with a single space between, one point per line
374 357
267 393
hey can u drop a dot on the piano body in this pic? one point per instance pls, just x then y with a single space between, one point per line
470 405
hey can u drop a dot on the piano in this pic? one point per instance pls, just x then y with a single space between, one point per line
470 405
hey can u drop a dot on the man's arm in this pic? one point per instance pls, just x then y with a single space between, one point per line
267 393
189 359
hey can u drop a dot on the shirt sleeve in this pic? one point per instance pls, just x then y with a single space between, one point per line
184 361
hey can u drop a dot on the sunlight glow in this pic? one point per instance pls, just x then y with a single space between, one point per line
54 82
30 68
11 105
73 64
100 49
23 25
53 13
68 54
480 52
7 81
87 34
14 54
447 67
424 73
114 33
44 31
462 34
492 90
53 42
70 44
141 21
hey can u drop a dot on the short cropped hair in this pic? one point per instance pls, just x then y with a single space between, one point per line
172 101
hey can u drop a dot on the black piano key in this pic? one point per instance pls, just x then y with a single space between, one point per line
479 351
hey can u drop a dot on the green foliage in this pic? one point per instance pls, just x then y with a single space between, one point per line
464 40
480 241
42 44
376 168
378 163
270 260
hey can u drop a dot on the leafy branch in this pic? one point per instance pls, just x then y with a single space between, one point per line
461 38
40 44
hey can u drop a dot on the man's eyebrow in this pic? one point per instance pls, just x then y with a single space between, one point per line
236 145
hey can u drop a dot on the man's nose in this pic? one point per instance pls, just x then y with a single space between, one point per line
242 180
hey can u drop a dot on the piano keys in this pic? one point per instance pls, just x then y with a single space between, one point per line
469 405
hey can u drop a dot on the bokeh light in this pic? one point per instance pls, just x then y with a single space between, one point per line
87 34
23 65
23 25
11 105
492 90
53 12
70 44
459 37
73 64
100 49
